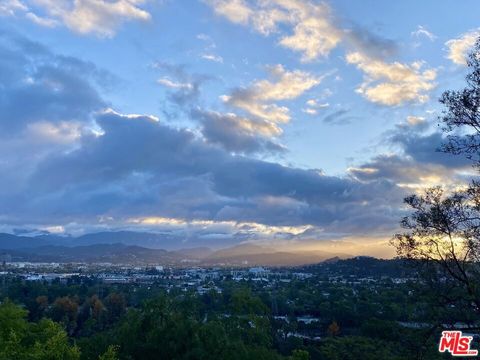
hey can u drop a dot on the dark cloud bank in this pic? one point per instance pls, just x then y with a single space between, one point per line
137 166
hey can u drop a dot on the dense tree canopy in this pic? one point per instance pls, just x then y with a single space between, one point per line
20 339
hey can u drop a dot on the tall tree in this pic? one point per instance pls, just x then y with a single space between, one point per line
444 229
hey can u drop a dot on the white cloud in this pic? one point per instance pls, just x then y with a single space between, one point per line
237 11
316 104
268 112
458 48
266 21
287 85
174 84
212 57
246 125
415 120
10 7
312 29
284 85
310 111
313 106
422 31
149 117
314 34
238 227
394 83
42 21
209 50
261 114
99 17
54 229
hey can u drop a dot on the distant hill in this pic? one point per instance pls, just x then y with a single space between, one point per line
100 253
149 240
9 241
366 266
146 248
250 254
145 239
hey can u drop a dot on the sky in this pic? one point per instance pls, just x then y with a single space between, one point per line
292 123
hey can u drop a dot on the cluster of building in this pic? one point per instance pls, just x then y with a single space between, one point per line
203 280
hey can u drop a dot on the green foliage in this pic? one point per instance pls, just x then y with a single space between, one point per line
300 355
110 354
20 339
242 302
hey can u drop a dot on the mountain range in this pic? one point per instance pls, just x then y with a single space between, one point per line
139 248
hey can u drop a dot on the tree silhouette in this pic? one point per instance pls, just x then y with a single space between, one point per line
444 229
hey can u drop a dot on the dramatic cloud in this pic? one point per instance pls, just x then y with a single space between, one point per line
458 48
418 164
107 170
99 17
256 125
221 229
424 148
69 162
395 83
47 103
404 171
137 167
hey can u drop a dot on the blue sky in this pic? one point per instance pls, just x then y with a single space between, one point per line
221 121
